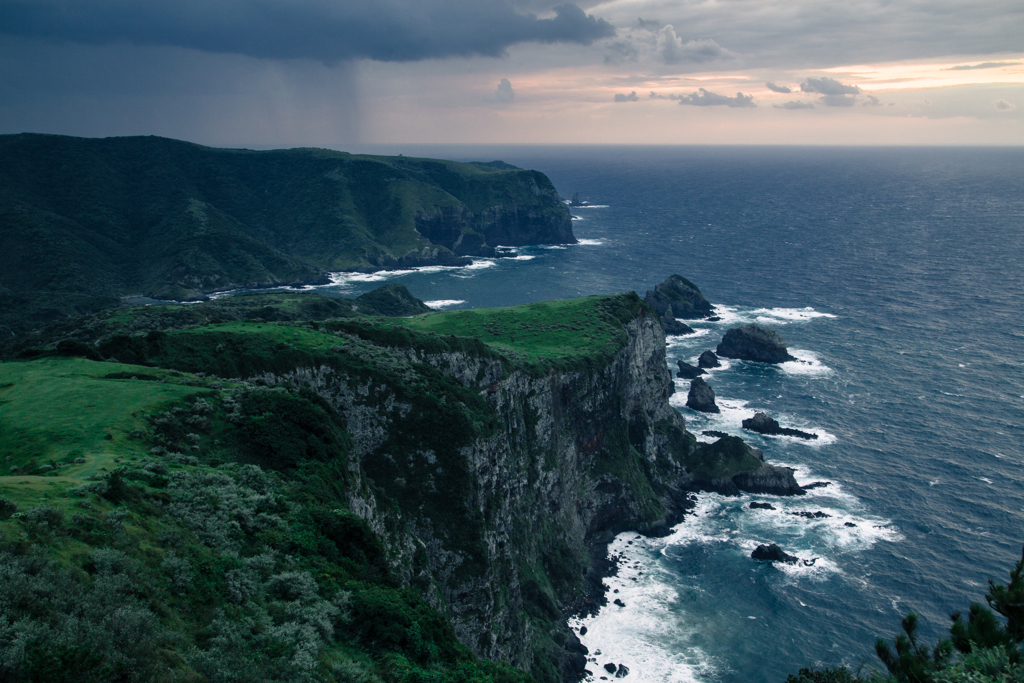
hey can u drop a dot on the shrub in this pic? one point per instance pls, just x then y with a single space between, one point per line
7 508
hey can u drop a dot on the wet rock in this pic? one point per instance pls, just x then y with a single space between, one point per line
714 433
679 298
708 359
583 630
816 485
773 553
622 672
618 601
674 328
687 371
610 668
762 506
771 479
701 397
756 343
850 524
762 424
811 515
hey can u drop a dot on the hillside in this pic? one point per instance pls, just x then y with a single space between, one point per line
84 222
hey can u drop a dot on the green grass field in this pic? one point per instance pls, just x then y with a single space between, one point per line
58 410
549 329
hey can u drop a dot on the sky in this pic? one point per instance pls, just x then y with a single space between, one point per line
351 73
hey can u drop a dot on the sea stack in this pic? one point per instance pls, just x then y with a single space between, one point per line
687 371
708 359
677 297
756 343
701 397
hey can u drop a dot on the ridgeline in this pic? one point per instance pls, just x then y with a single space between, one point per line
84 222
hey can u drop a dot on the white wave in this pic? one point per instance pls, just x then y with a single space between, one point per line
784 315
806 363
589 243
520 257
734 315
645 634
444 303
578 218
550 246
592 206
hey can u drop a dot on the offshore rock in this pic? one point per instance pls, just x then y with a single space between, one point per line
761 506
756 343
763 424
773 553
673 327
708 359
701 397
687 371
771 479
679 298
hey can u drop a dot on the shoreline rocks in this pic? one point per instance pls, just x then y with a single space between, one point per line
701 397
677 297
756 343
762 424
674 328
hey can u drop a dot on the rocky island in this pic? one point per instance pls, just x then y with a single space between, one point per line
755 343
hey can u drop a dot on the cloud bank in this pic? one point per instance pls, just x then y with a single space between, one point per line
324 30
710 99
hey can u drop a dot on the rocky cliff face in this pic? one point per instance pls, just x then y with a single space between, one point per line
577 455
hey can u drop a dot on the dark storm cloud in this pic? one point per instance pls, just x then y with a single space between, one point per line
828 86
710 99
794 104
778 88
983 65
384 30
631 97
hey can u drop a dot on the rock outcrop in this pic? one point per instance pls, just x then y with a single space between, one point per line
756 343
773 553
708 359
687 371
771 479
762 424
679 298
701 397
730 465
674 328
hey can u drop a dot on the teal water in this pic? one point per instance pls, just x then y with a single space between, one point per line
896 275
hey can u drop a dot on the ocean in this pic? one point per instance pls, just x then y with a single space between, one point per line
895 275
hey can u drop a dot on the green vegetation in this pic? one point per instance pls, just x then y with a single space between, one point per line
84 222
550 331
983 649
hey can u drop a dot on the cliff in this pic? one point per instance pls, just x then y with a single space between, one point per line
84 222
396 495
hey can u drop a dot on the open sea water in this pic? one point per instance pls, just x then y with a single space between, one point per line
896 276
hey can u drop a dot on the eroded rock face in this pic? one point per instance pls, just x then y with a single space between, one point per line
701 397
679 298
754 342
771 479
546 460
